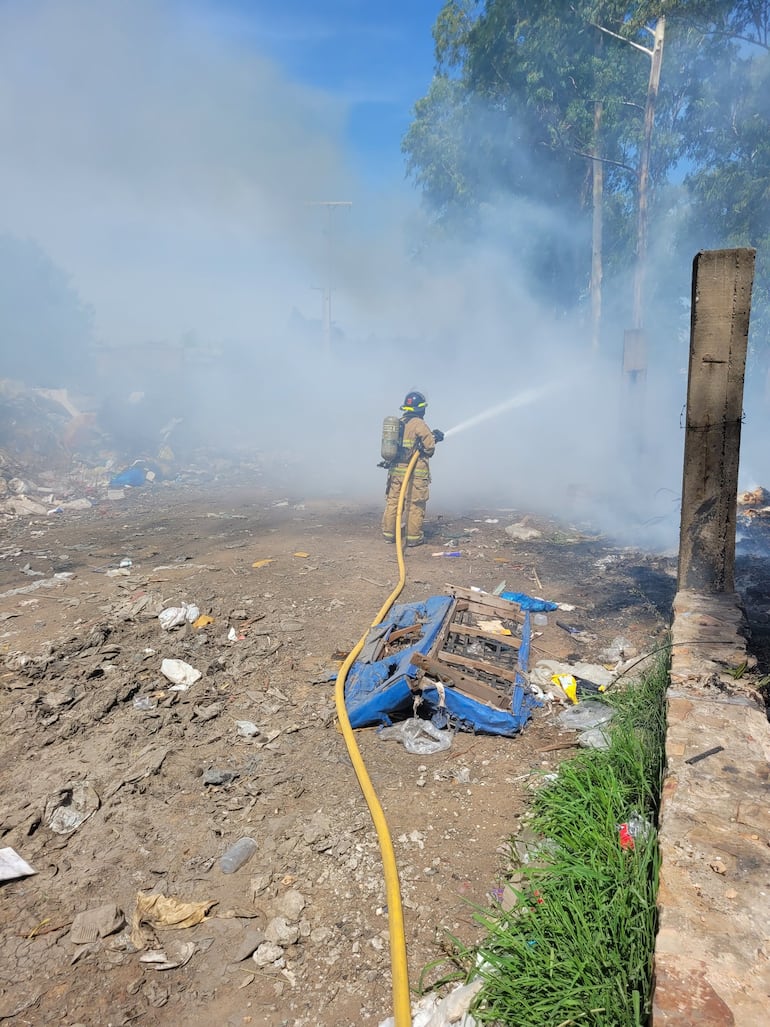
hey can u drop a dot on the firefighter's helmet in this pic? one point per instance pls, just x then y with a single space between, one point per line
414 403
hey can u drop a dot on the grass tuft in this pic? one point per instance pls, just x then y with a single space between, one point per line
577 947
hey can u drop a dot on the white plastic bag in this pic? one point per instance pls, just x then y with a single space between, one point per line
173 616
181 674
418 736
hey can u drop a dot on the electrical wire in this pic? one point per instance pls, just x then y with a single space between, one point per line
402 1009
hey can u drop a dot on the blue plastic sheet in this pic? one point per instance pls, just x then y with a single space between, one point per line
131 476
529 602
378 692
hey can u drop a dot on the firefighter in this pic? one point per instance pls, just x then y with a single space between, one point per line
414 434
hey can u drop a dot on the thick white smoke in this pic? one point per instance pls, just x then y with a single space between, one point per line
171 171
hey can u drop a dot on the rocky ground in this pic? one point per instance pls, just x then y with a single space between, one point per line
155 784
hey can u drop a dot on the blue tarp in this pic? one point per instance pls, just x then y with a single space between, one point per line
378 692
131 476
529 602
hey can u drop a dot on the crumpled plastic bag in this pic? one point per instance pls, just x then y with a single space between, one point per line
544 670
585 715
594 738
175 616
418 736
159 959
181 674
154 911
450 1011
70 807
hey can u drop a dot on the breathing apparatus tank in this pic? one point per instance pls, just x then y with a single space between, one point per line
392 437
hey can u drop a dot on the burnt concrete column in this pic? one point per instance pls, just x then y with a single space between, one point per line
719 328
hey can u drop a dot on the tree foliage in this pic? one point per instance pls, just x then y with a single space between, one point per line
729 151
511 114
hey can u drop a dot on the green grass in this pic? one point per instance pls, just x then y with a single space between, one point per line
577 947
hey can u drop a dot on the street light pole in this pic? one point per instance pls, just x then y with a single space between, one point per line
326 312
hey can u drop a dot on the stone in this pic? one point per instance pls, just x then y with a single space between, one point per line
281 932
267 953
684 996
290 905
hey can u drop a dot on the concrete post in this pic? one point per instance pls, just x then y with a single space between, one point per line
719 327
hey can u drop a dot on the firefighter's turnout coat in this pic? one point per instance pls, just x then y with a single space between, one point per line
416 434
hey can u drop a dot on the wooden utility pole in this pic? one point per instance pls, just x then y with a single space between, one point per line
643 174
719 328
642 192
597 183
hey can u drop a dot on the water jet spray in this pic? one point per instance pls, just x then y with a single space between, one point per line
521 399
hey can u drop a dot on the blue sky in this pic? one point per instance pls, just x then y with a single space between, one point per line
377 59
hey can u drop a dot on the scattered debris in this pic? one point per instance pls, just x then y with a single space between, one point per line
417 736
585 715
158 959
587 676
706 754
97 923
247 729
522 532
636 829
174 616
254 753
70 807
212 776
450 1011
154 911
238 854
12 866
436 655
181 674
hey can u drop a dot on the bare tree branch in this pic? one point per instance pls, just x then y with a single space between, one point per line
637 46
605 160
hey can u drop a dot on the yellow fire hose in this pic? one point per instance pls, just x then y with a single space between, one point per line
402 1009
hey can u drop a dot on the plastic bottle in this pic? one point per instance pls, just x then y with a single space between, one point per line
237 855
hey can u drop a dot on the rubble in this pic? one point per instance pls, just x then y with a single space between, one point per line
60 456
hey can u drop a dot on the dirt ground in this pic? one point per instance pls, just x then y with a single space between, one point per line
170 787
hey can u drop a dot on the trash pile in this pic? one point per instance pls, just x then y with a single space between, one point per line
753 523
459 661
59 455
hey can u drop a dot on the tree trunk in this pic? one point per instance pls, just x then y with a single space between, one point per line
644 172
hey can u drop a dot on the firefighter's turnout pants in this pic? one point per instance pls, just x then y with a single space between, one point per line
416 433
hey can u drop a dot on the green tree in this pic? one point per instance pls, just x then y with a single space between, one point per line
729 152
539 99
542 83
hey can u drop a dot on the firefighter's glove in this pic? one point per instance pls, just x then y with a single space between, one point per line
385 464
438 435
